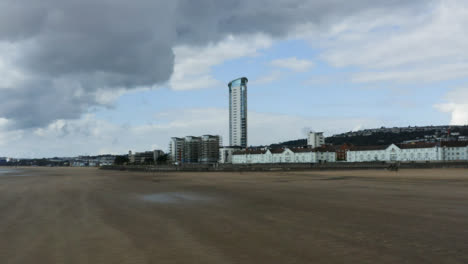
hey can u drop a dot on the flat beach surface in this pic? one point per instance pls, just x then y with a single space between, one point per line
86 215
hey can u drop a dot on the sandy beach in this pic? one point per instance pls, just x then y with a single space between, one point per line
86 215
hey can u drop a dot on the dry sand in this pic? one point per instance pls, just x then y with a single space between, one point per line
82 215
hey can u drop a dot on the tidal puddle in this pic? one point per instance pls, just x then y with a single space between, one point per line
176 197
10 172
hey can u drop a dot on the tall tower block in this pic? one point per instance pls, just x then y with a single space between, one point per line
238 112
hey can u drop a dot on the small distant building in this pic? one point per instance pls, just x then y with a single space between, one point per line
325 154
106 160
248 156
156 154
341 152
454 151
315 139
225 154
144 157
373 153
420 151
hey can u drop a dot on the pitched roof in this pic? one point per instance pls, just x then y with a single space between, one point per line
364 148
249 151
276 151
325 148
301 150
417 145
454 144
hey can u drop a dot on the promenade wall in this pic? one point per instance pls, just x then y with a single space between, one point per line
291 166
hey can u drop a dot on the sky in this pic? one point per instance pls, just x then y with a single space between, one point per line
98 76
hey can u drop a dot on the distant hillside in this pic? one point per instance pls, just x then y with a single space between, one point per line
290 144
379 138
384 136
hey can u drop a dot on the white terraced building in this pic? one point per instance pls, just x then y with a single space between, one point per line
452 151
286 155
418 152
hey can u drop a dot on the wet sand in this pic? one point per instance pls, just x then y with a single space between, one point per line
85 215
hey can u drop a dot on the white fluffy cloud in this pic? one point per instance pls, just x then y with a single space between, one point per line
268 78
456 106
193 65
405 46
293 63
431 73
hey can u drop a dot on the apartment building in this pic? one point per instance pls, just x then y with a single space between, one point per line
192 149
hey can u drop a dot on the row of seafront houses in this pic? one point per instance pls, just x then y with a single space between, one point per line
417 152
318 152
206 149
286 155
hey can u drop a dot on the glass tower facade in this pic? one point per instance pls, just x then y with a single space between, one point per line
238 112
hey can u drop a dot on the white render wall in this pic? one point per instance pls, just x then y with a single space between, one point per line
315 139
394 153
287 156
305 157
325 157
225 154
390 153
250 158
420 154
454 153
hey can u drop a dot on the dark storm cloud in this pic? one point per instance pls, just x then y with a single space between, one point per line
107 44
205 20
37 103
125 39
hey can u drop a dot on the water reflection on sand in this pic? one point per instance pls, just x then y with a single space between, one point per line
176 197
10 172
